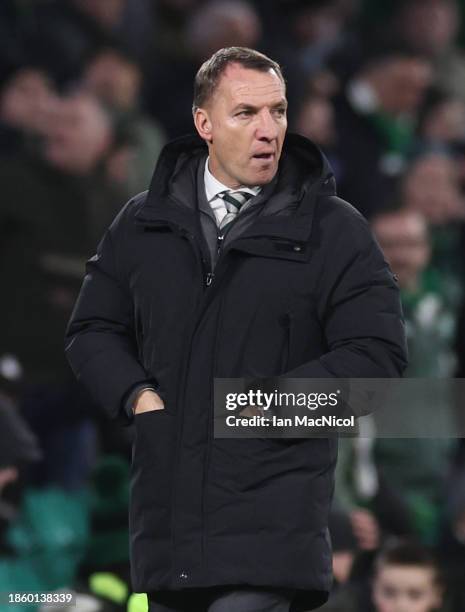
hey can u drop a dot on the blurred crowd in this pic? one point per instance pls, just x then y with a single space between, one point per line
90 91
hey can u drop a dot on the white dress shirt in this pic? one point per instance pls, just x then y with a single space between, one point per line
213 187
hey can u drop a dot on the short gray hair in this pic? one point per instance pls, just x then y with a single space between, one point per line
210 72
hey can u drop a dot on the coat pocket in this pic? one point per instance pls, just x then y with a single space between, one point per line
152 465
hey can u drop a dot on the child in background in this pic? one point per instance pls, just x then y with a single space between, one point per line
406 579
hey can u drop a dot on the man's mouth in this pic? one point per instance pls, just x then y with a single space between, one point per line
264 156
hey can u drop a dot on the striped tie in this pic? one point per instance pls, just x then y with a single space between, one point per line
234 201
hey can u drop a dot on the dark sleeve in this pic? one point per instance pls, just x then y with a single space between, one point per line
358 306
100 339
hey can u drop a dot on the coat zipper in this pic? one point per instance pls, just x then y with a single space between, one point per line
184 373
209 278
211 275
210 424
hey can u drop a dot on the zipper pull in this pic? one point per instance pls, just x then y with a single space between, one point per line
209 279
219 242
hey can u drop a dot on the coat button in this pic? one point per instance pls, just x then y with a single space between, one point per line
183 575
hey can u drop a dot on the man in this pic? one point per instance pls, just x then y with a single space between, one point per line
375 119
238 262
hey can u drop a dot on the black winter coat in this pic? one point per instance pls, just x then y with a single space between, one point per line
304 290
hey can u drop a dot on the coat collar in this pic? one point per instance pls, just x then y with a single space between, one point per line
304 173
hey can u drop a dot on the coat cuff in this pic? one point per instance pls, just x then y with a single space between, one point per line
131 396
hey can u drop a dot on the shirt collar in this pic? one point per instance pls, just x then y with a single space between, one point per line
213 186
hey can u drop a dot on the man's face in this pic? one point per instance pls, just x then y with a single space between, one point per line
404 241
430 25
405 589
401 83
244 124
432 187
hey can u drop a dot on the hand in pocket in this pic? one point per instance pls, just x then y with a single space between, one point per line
147 401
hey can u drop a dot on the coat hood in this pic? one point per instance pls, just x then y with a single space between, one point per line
303 168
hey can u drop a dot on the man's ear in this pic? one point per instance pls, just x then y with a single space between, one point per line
203 124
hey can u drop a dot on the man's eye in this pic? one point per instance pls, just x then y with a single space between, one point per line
415 594
244 113
280 112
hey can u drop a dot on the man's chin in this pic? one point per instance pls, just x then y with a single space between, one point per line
262 177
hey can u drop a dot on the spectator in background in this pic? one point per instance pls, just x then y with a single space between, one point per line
24 100
432 186
442 120
77 134
115 79
55 203
72 29
315 120
404 576
406 579
375 125
431 27
70 35
227 23
417 467
130 23
428 309
403 237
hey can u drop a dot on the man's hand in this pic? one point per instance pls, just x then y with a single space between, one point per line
148 400
365 529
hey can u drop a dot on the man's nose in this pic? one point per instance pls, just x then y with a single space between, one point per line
267 128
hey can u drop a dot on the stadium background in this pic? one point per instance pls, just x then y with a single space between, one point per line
90 90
